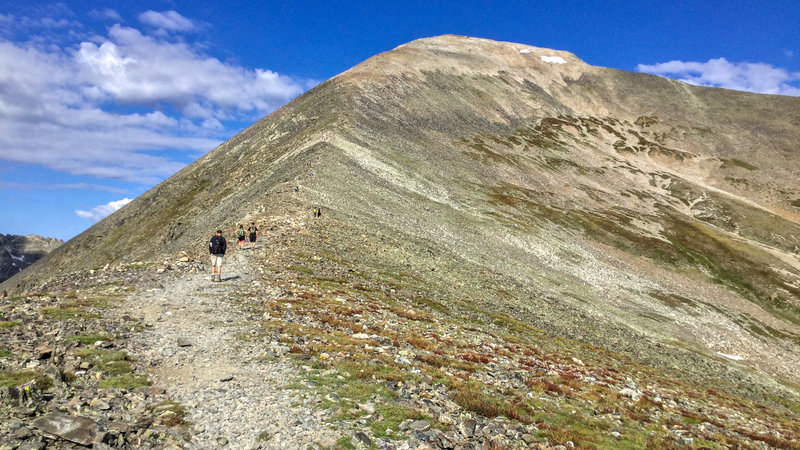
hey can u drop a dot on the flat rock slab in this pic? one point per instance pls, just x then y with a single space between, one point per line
75 429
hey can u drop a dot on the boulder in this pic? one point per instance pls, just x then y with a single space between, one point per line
79 430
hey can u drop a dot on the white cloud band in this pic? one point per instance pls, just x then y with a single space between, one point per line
99 212
123 106
752 77
167 20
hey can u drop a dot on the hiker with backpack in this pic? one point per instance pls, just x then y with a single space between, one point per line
253 234
217 247
240 235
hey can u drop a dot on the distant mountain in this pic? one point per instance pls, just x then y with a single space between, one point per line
19 252
625 210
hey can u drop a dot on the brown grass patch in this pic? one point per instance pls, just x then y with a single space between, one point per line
471 397
475 358
421 343
411 314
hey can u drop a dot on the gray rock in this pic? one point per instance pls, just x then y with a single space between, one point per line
21 433
326 442
100 404
632 394
361 438
19 396
222 441
528 438
466 427
183 342
44 353
405 425
419 425
367 408
75 429
120 427
428 436
32 444
448 440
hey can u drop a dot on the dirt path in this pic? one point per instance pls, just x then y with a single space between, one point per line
197 349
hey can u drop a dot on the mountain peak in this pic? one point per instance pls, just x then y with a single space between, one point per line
621 210
471 56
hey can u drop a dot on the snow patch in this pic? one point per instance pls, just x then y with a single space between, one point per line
733 357
554 59
18 258
526 50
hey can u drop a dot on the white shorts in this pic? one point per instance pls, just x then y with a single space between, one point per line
216 260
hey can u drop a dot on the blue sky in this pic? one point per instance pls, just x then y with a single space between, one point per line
99 101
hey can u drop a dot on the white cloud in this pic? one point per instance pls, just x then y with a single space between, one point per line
132 68
167 20
60 187
99 212
753 77
105 14
68 108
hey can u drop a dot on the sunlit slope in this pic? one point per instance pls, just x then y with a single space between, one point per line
623 209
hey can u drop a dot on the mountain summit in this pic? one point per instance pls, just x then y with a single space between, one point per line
623 210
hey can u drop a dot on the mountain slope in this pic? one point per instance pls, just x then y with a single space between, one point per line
624 210
18 252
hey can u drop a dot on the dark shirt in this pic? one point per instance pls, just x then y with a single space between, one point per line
219 243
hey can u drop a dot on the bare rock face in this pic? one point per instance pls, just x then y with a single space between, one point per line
76 429
19 252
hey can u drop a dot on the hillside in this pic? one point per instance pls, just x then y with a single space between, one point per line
520 191
19 252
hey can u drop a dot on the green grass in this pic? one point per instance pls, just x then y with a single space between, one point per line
301 269
353 383
344 443
727 163
5 353
393 414
68 313
14 378
169 413
8 324
108 361
86 339
126 381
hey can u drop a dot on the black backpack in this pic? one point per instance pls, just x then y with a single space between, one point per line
215 246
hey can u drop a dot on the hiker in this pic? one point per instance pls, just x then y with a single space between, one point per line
240 235
217 247
253 234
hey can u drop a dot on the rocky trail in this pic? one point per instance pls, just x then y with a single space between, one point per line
194 347
296 349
